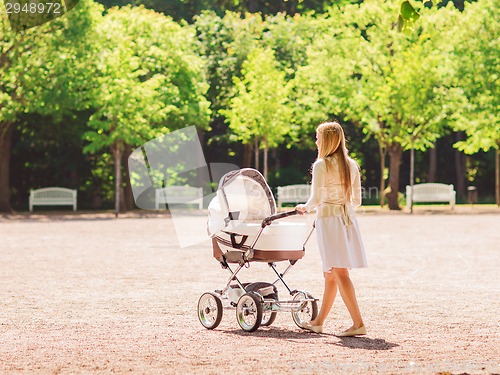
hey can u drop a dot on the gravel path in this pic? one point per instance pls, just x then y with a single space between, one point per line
89 293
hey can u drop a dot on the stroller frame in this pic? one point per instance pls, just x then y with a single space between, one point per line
253 309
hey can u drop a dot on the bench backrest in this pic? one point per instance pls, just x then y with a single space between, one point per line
180 191
56 193
431 189
299 191
430 192
179 194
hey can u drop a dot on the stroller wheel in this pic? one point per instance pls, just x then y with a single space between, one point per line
306 311
210 310
268 317
249 312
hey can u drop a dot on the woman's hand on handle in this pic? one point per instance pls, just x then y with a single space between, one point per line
301 208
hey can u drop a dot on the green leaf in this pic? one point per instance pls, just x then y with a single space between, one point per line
408 12
407 18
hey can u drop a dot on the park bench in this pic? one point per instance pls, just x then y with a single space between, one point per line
430 193
179 195
293 194
52 196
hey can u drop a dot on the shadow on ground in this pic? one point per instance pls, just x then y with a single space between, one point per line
347 342
365 343
273 332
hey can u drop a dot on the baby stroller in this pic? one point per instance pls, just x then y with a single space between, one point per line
245 228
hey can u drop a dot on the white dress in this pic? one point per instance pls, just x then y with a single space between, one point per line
339 238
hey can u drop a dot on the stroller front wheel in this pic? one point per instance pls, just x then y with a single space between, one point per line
210 310
249 312
307 309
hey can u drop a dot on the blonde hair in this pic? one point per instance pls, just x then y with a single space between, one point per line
331 142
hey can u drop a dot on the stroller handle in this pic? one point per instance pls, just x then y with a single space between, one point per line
268 220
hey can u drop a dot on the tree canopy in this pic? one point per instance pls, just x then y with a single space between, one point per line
147 85
259 112
254 77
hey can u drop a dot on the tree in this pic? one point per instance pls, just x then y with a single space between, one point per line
393 83
259 112
50 53
225 44
148 83
188 10
478 55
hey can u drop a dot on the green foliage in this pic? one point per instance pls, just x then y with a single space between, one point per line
398 86
51 54
289 38
41 72
407 18
259 110
188 10
478 56
148 83
225 44
270 78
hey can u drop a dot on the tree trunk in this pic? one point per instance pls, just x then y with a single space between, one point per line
292 7
395 152
122 196
383 152
128 194
247 155
122 188
412 173
5 146
266 151
432 164
252 6
276 159
460 169
116 149
497 173
256 153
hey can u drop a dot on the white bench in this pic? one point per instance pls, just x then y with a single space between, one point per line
431 192
179 194
293 194
52 196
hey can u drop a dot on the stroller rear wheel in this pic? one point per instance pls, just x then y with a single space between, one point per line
210 310
249 312
307 310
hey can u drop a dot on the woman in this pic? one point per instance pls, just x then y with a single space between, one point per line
335 193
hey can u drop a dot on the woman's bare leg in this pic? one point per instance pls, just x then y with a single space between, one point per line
346 289
328 298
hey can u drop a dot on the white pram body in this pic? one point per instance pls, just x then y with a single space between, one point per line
243 201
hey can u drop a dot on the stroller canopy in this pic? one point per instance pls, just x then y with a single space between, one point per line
243 195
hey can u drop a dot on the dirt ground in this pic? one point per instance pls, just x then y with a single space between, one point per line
88 293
